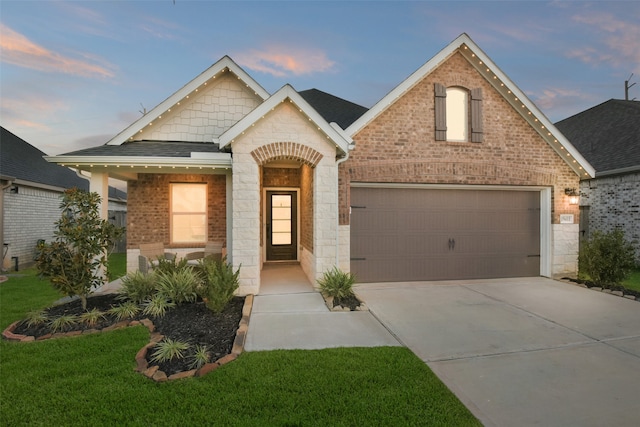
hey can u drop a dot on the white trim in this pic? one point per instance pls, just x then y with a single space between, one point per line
263 226
338 138
545 209
226 63
219 160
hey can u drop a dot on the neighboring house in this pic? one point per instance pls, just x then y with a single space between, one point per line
30 198
608 136
455 174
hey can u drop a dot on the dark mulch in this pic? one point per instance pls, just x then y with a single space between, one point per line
352 302
192 323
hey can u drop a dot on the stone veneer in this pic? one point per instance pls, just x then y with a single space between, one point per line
288 132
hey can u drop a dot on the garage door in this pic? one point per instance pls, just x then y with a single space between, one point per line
409 234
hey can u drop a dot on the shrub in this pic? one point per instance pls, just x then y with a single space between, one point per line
91 318
62 323
179 286
200 357
607 258
219 283
170 265
76 261
126 310
35 318
336 283
138 286
168 349
156 306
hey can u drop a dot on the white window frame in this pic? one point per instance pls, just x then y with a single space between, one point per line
457 114
173 214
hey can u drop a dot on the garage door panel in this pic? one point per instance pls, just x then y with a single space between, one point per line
424 234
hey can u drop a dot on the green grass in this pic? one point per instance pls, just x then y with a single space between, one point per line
92 379
633 281
117 266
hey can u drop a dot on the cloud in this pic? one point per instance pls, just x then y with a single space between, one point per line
18 50
282 61
159 28
621 42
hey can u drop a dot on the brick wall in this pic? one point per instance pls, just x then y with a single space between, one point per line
399 146
206 114
148 208
29 216
306 207
614 202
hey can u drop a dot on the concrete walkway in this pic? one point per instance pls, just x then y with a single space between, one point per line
526 351
289 314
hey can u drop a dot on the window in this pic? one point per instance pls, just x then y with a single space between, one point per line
458 110
188 213
457 114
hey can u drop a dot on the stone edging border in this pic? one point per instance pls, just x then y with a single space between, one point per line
599 289
142 366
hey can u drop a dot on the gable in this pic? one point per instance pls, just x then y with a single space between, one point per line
205 114
494 77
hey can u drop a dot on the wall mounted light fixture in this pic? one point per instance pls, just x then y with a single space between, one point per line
573 195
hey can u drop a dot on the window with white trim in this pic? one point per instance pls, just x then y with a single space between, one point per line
457 114
188 213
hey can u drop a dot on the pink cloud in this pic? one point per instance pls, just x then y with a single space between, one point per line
18 50
621 41
281 61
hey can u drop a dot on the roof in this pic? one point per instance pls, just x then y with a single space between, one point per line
24 162
149 148
332 108
502 84
607 135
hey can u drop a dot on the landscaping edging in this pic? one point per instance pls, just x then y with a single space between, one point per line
616 292
142 365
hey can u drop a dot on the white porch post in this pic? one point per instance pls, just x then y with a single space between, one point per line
100 184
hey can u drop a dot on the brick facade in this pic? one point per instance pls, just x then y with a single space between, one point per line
613 202
149 210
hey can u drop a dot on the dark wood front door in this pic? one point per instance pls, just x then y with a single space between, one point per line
282 226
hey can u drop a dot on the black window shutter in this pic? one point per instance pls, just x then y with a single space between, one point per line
476 115
441 112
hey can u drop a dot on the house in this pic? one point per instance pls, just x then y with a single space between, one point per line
30 198
608 136
454 174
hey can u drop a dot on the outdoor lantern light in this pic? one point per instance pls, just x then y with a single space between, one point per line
573 195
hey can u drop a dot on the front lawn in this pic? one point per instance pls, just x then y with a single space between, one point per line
90 380
633 281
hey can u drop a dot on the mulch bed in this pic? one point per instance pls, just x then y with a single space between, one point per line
192 323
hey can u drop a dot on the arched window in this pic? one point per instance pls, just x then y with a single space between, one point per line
457 114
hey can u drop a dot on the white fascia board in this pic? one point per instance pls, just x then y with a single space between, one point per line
224 63
340 139
210 160
523 105
407 84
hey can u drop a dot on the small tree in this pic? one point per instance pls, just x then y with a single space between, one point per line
76 260
606 257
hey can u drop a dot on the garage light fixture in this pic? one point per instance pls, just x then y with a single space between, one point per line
573 195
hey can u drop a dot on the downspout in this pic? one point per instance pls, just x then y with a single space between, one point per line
338 162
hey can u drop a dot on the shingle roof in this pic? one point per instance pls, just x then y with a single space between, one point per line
149 148
332 108
607 135
23 161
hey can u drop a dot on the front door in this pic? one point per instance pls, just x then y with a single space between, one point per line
281 231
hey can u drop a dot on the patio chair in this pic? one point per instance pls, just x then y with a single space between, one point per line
212 250
149 254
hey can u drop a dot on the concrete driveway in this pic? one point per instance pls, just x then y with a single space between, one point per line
522 352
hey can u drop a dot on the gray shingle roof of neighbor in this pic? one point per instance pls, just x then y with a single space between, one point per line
332 108
21 160
149 148
607 135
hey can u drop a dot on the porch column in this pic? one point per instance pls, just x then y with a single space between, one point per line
99 183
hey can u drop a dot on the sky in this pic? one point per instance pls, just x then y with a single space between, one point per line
75 73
